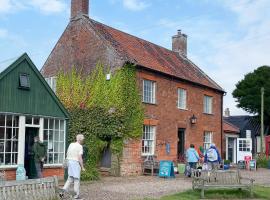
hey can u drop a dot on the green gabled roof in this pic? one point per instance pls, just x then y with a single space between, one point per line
26 58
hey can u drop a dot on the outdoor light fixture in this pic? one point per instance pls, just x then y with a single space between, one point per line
193 119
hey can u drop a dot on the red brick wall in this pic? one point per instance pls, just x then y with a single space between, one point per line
10 174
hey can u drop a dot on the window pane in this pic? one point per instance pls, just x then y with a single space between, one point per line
56 135
9 120
46 121
16 121
45 136
2 120
14 158
62 136
50 158
24 80
9 133
28 120
36 120
61 147
8 146
62 125
8 159
56 124
56 158
2 145
2 159
51 124
61 158
2 133
15 133
15 146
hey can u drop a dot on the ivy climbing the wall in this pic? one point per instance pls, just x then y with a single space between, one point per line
107 112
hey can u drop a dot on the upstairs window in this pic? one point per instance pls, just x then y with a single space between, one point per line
24 81
51 82
182 99
208 104
149 91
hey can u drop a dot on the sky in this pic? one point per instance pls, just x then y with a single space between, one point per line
226 38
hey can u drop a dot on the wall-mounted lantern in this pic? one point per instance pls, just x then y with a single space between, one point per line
193 119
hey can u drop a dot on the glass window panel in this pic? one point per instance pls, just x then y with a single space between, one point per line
56 135
51 124
8 146
2 146
15 146
55 147
24 81
8 133
15 134
61 147
45 136
2 133
62 125
16 121
62 136
28 120
50 158
36 120
46 121
8 159
2 120
61 158
9 120
55 158
14 158
2 159
56 124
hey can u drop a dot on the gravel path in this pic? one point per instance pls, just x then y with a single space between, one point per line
137 188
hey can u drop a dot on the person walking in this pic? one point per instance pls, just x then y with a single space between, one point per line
75 165
40 151
212 157
192 157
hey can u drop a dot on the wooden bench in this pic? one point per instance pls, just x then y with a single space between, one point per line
32 189
227 179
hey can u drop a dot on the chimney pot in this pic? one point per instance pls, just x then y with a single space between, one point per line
227 112
79 7
179 43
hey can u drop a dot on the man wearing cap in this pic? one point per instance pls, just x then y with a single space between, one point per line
212 157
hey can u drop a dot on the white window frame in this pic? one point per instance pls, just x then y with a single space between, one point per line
12 140
206 135
182 99
208 104
151 99
54 140
152 130
52 81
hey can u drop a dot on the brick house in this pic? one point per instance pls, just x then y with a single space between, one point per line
174 90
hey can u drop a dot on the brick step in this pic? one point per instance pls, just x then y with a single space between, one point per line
104 171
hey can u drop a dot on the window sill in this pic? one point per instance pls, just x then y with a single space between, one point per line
48 166
208 114
154 104
183 109
8 167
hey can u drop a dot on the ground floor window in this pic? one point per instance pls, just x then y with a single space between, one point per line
54 138
9 130
208 139
148 140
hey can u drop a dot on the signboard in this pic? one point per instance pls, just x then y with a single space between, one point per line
166 169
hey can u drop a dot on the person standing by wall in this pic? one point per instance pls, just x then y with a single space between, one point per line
75 165
192 157
212 157
40 152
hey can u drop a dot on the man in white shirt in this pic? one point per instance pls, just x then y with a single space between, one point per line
75 165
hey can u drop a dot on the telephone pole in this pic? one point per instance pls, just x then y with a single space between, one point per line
262 121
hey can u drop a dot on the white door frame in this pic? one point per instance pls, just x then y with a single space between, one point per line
234 146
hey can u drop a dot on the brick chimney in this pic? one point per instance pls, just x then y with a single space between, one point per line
79 7
179 43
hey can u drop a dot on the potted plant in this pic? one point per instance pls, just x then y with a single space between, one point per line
226 164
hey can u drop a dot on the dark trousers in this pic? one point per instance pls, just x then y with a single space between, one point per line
193 165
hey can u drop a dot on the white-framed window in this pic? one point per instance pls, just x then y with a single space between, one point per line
208 139
182 98
52 82
148 140
208 104
244 145
54 138
9 133
149 91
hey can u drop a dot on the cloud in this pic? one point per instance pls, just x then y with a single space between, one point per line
48 6
45 6
135 5
3 33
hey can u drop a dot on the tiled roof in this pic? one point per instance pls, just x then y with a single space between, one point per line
152 56
228 127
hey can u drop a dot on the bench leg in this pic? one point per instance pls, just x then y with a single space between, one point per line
202 193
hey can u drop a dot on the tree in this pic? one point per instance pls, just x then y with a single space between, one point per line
248 91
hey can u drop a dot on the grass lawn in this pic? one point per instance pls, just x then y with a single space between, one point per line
259 193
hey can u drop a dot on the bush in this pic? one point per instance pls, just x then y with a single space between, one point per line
262 161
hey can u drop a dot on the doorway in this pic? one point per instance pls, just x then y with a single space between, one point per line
181 145
231 149
29 162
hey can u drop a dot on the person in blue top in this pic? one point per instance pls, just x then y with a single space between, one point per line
192 156
212 157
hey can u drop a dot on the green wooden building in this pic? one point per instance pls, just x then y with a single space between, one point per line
29 107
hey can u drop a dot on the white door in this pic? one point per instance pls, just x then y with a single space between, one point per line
244 148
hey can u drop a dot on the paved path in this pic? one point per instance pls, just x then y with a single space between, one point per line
130 188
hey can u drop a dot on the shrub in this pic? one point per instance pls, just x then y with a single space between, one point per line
262 161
